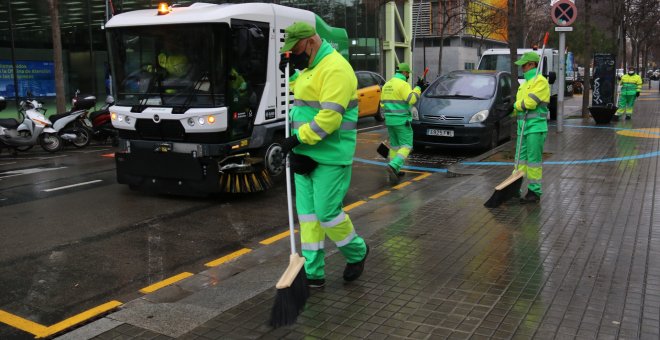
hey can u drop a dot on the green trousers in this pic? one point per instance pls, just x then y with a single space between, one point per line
401 141
319 203
531 159
626 103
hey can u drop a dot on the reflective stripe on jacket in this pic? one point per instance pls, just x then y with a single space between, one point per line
533 98
630 85
396 99
325 112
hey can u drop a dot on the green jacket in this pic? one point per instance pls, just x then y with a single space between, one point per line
630 85
325 110
532 99
396 99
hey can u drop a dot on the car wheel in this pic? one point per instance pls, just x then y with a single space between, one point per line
380 116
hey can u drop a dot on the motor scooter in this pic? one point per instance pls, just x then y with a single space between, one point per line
71 125
101 123
34 128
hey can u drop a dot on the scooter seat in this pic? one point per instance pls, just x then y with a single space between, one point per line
55 117
9 123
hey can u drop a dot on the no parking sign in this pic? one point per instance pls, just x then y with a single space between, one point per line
563 12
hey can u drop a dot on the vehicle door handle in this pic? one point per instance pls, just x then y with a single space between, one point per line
362 95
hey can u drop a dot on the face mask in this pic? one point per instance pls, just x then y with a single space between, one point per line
300 61
631 72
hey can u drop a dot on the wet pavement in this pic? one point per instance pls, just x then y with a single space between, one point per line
75 243
582 264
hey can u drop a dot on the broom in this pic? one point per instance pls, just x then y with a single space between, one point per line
510 187
292 290
383 150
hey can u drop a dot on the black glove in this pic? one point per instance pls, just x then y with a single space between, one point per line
422 84
636 94
289 143
301 164
283 61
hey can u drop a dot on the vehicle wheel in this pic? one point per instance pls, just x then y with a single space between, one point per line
82 137
50 142
380 116
274 160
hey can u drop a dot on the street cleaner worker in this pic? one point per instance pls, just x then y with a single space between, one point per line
531 106
631 86
396 99
324 124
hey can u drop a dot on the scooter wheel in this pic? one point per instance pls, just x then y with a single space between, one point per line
83 137
50 142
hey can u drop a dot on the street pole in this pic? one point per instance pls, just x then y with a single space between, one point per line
13 53
562 80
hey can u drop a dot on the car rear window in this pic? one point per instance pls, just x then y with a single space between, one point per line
463 86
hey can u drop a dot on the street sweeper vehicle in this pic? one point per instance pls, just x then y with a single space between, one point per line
200 101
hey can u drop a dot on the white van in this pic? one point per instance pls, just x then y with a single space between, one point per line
498 59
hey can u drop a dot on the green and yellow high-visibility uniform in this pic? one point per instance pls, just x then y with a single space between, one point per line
396 99
630 86
176 64
324 118
531 105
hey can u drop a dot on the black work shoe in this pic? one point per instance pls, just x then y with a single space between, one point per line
531 197
393 175
315 283
353 270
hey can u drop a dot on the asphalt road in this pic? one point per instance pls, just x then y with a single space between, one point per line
71 238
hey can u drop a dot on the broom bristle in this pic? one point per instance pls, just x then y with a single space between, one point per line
289 302
500 196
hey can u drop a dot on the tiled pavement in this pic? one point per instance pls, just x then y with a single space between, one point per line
584 264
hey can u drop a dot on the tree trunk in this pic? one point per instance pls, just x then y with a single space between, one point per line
57 56
513 54
442 34
587 69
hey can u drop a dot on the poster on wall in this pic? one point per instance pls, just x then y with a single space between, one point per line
37 77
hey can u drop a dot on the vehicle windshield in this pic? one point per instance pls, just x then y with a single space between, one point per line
498 62
174 66
468 86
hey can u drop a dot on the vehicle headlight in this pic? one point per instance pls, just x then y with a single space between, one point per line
479 116
415 113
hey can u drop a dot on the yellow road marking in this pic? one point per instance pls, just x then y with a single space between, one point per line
22 324
380 194
641 133
276 238
158 285
88 314
421 177
229 257
41 331
354 205
402 185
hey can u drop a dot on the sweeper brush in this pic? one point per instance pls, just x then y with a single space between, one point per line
241 175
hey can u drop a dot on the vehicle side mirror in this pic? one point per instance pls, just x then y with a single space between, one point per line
552 76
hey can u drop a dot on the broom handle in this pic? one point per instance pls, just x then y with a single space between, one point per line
522 128
287 133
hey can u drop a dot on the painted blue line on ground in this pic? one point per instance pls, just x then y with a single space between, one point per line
406 167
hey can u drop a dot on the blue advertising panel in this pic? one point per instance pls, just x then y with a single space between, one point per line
37 77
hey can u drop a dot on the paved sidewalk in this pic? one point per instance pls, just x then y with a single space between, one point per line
584 264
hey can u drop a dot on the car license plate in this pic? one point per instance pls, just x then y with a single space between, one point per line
440 133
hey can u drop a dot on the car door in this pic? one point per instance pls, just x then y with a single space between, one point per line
368 94
504 104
